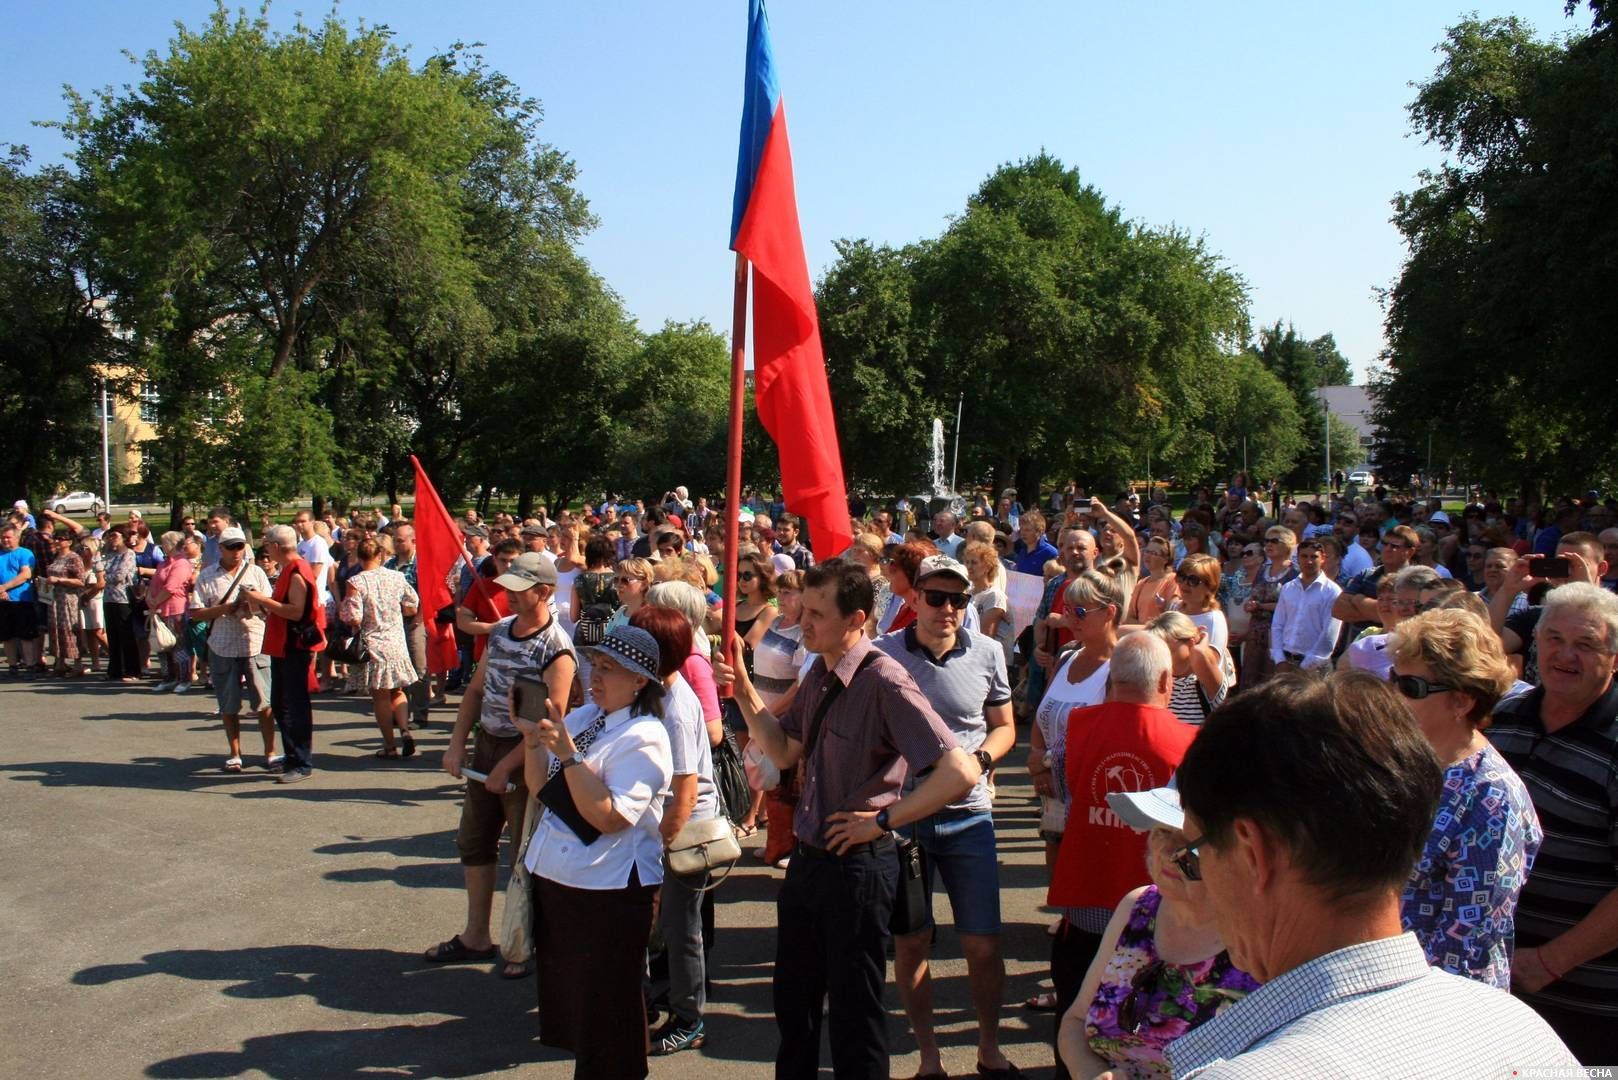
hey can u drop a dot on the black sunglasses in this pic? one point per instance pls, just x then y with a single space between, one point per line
940 597
747 576
1189 859
1415 687
1079 612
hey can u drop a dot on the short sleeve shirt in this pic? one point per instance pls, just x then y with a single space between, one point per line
1523 622
878 729
959 685
232 635
508 656
11 564
688 745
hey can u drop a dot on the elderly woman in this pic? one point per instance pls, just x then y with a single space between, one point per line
91 617
1398 597
692 797
119 576
167 597
294 631
67 577
596 855
1462 895
1203 672
377 603
1262 599
1167 970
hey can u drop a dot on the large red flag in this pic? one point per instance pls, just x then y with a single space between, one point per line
438 549
789 366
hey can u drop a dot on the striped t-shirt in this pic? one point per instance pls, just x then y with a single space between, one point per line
1572 776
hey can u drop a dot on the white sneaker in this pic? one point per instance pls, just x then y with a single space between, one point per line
162 688
183 688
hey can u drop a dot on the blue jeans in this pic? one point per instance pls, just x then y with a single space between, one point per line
959 846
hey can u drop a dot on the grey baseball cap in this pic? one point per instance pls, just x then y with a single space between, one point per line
942 566
527 570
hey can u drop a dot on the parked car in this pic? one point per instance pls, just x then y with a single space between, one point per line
1361 477
77 502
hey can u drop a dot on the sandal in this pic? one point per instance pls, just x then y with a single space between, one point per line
410 751
387 752
744 831
1043 1002
454 951
516 971
233 764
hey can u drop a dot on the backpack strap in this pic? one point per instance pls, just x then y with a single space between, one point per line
812 736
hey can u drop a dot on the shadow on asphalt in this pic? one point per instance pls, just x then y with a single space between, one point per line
492 1025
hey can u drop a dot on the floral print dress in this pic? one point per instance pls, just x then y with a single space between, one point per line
1143 1003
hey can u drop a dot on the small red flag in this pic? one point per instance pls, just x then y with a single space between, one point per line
438 549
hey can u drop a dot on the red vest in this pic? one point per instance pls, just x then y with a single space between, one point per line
1111 747
275 627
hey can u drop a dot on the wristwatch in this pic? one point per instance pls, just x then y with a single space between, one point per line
882 820
985 762
569 762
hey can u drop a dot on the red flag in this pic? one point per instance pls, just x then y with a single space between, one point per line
438 549
789 366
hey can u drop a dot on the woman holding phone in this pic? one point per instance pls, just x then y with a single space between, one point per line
596 856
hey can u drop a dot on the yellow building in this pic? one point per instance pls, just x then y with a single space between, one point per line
132 420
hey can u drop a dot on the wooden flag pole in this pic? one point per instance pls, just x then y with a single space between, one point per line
733 470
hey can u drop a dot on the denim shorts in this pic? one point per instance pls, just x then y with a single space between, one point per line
959 846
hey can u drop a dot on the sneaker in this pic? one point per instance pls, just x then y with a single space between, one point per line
183 688
673 1037
162 688
275 762
294 776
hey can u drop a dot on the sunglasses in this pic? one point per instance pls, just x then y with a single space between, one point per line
1189 579
1189 859
940 597
1252 551
625 581
1415 687
1079 612
746 576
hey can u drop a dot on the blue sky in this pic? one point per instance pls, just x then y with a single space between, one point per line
1275 130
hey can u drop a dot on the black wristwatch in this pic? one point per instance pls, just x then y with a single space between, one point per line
882 820
985 762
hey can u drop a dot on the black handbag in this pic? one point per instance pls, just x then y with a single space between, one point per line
347 646
558 799
730 777
910 908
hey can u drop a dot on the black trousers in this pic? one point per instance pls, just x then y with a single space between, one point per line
123 661
1072 950
832 917
289 702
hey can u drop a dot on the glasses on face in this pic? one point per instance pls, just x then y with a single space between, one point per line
940 597
1415 687
1251 551
1189 859
1395 545
623 581
746 575
1080 612
1188 581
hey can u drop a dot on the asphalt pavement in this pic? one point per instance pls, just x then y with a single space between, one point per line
163 918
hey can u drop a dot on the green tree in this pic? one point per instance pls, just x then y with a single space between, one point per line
1293 360
1331 366
674 429
1261 430
53 340
1502 319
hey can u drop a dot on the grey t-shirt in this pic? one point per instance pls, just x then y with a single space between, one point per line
968 679
689 747
508 656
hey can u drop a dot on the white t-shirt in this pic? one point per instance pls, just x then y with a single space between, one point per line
564 589
1213 623
317 553
1061 698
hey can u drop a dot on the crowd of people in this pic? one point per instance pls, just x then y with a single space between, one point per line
1278 750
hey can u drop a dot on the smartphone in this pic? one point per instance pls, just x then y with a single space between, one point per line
528 695
1550 566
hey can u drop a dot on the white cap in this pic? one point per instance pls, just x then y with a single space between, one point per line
230 534
20 504
1145 810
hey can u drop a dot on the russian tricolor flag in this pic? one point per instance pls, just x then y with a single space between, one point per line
789 367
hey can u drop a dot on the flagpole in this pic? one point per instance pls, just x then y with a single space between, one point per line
733 471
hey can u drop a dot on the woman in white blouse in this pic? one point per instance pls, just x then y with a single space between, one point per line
593 901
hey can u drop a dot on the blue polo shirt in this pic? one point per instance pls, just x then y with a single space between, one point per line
11 564
1033 562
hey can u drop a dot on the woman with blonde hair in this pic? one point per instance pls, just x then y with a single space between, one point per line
989 597
632 578
1198 580
1461 898
1157 590
1261 603
1203 672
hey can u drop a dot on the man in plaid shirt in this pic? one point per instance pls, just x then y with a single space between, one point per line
236 642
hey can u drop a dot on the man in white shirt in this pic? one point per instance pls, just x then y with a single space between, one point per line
1304 632
314 550
1355 557
948 541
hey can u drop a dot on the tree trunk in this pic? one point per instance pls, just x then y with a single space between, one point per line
318 509
525 501
1027 481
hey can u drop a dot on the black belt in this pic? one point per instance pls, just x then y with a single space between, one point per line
886 840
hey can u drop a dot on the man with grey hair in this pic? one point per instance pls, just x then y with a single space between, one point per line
1562 738
1130 742
945 538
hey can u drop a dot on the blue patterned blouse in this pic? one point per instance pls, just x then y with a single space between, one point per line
1461 899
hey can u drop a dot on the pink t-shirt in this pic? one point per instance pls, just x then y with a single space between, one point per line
173 577
698 674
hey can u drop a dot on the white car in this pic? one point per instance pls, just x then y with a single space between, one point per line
75 502
1361 477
